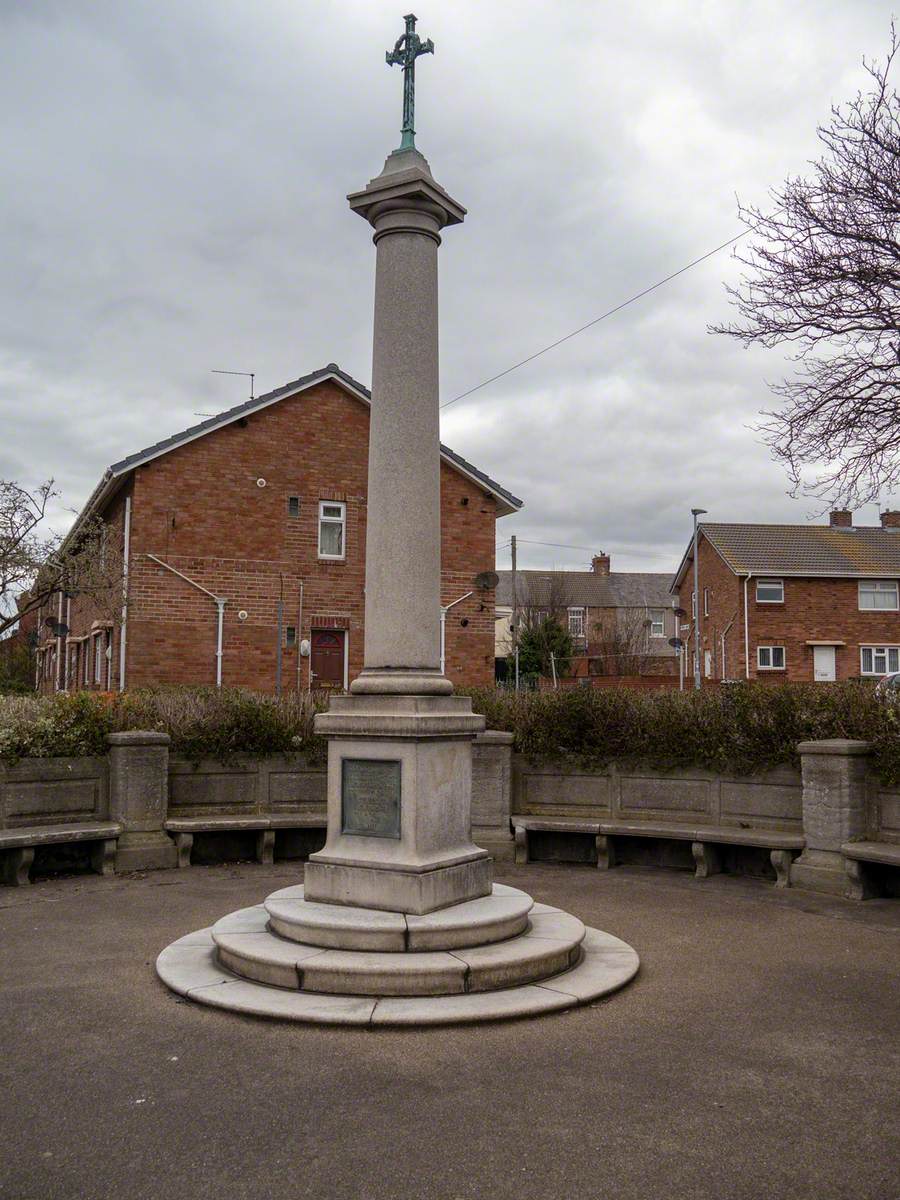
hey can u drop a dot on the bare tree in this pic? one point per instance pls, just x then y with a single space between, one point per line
35 565
620 642
823 274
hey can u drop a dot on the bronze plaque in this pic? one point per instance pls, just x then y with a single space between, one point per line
370 797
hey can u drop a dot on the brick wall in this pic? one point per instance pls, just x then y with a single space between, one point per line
201 510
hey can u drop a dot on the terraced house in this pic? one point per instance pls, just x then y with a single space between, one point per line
243 554
798 602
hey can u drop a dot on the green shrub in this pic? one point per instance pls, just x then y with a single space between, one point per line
202 722
742 728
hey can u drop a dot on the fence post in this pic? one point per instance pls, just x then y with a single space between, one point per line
138 799
834 774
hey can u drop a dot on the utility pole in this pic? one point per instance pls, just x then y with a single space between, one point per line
696 512
515 608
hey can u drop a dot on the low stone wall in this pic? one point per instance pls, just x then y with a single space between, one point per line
53 791
773 800
833 799
286 783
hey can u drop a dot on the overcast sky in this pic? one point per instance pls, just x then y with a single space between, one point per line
175 174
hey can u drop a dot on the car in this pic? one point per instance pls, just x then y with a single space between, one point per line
889 686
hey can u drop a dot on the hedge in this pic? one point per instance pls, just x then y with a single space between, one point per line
202 722
743 728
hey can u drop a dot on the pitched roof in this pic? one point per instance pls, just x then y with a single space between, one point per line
804 550
507 502
619 589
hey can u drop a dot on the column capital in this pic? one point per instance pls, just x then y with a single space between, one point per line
406 181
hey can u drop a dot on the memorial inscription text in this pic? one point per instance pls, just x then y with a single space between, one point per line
370 797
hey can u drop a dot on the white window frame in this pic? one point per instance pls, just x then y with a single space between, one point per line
99 658
330 520
577 615
657 622
887 653
706 602
770 583
770 651
875 587
694 606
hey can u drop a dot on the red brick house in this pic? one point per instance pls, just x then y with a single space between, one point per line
620 621
243 539
796 602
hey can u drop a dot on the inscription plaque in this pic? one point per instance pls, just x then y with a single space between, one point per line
370 797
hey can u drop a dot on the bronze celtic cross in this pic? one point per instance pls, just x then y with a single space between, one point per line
405 52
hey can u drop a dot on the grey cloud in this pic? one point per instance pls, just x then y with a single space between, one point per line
178 175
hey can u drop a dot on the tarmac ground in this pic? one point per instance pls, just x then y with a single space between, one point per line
755 1055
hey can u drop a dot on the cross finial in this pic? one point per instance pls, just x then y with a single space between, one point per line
407 49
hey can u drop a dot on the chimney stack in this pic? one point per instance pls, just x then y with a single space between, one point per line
841 518
890 519
600 564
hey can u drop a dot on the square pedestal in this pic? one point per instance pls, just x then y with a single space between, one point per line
399 799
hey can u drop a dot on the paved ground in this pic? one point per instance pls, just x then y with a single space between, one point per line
751 1057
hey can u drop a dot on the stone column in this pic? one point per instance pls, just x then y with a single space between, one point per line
835 784
407 210
400 747
138 799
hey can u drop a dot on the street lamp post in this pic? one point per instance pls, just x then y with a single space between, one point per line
696 512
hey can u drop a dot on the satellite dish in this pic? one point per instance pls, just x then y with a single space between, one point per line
676 643
486 580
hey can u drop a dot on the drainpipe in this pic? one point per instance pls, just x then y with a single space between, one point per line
445 608
66 679
123 627
60 677
725 634
746 630
300 639
220 602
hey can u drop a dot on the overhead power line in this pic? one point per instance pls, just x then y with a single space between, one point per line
610 312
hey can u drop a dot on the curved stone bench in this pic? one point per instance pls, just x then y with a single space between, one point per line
861 885
704 839
17 846
183 829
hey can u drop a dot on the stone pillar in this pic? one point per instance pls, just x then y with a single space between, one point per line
138 799
835 777
407 210
492 793
400 746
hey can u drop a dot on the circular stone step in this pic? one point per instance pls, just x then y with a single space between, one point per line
248 948
189 967
492 918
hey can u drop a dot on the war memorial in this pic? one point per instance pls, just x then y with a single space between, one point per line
398 921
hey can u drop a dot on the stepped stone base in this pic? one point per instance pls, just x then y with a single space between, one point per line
487 959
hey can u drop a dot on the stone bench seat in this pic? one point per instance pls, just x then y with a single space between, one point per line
862 884
704 840
17 846
183 829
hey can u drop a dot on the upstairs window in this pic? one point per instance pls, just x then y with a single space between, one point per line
706 602
770 658
290 635
293 506
878 595
770 591
879 660
657 622
332 520
576 622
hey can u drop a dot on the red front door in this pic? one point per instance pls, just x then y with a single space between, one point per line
326 662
